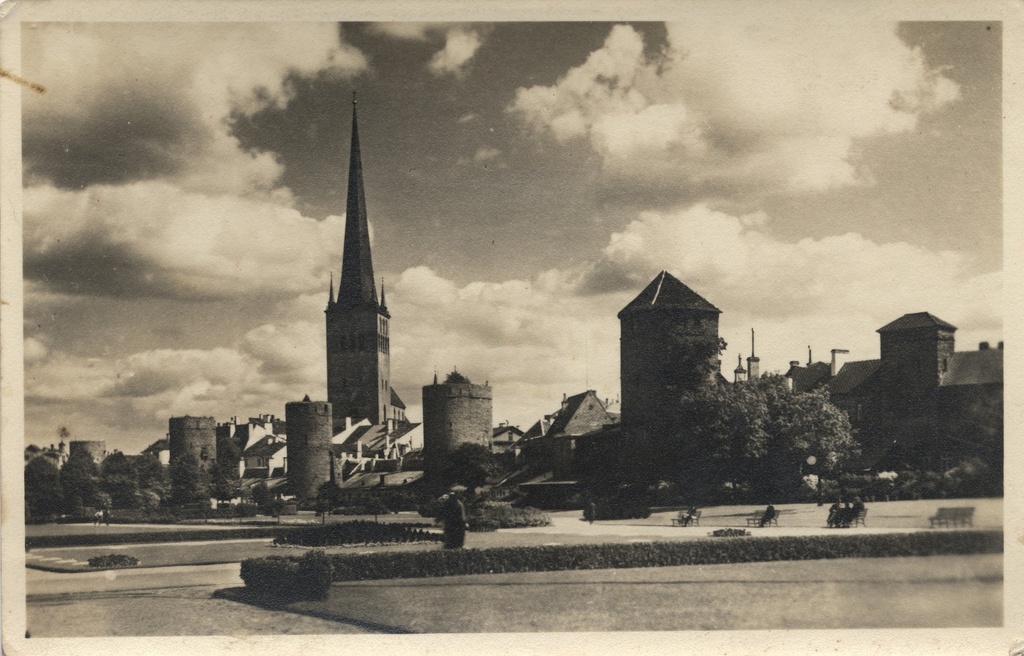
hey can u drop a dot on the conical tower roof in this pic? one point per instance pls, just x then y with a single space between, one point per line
666 292
357 282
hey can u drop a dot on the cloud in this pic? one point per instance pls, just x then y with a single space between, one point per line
155 239
460 46
736 109
461 43
129 102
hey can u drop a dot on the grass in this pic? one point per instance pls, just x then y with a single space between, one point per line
936 591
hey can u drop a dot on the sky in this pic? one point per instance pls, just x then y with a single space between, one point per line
184 201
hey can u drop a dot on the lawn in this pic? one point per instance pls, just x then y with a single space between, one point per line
936 591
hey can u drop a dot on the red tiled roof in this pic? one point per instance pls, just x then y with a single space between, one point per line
916 320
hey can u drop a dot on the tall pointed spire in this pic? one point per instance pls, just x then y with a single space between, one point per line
330 295
383 303
357 282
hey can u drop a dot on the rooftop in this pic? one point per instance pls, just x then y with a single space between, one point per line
665 291
916 320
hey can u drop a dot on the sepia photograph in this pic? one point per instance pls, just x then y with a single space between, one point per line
602 333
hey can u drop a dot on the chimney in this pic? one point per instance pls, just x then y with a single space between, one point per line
983 346
835 365
809 359
753 362
565 400
794 363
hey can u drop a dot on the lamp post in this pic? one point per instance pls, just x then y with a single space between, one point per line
812 461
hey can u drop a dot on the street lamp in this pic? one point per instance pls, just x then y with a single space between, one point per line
812 460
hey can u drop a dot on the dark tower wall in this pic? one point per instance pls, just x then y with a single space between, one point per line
668 345
97 449
309 446
454 414
358 341
194 436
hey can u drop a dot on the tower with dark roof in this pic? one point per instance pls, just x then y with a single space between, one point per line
669 345
358 347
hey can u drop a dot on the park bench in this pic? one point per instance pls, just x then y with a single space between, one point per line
859 519
953 517
684 519
755 519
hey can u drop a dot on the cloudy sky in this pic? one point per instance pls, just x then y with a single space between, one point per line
185 191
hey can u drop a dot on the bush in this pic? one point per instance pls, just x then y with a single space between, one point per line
729 533
308 577
483 525
418 564
184 535
621 509
111 561
503 515
356 532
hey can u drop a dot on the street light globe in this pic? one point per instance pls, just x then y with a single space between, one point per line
811 460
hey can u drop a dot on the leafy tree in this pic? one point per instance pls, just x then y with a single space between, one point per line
261 495
188 481
470 465
756 435
223 486
79 480
43 497
152 475
328 497
119 479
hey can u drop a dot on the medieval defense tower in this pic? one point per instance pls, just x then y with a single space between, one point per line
358 347
669 345
195 437
454 412
309 445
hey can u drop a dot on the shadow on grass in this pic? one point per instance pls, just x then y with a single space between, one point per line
244 595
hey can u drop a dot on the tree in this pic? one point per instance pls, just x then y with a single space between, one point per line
119 479
223 486
328 497
152 475
79 480
754 436
470 465
43 497
188 482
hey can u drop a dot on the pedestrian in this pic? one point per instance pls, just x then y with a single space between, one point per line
453 513
592 511
97 517
833 515
106 517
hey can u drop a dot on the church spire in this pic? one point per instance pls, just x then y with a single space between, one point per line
356 286
383 304
330 294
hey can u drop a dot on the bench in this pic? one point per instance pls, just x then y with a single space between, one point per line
953 517
859 519
755 519
684 519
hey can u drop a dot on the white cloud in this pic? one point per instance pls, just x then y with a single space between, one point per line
460 46
176 243
740 108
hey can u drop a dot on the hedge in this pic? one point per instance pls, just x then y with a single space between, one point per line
110 561
419 564
308 577
189 535
356 532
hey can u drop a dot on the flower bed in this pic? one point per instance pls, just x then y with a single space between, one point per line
387 565
729 533
111 561
355 532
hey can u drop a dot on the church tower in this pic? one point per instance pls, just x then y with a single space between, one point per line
358 360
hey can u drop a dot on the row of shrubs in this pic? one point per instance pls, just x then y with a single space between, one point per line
355 532
308 577
184 535
492 515
272 575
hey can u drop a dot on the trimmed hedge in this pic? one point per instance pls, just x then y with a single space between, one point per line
355 532
420 564
308 577
110 561
503 515
188 535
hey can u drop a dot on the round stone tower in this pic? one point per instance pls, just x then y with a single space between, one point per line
454 412
309 445
97 449
193 436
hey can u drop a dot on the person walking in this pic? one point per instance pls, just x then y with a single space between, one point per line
453 513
